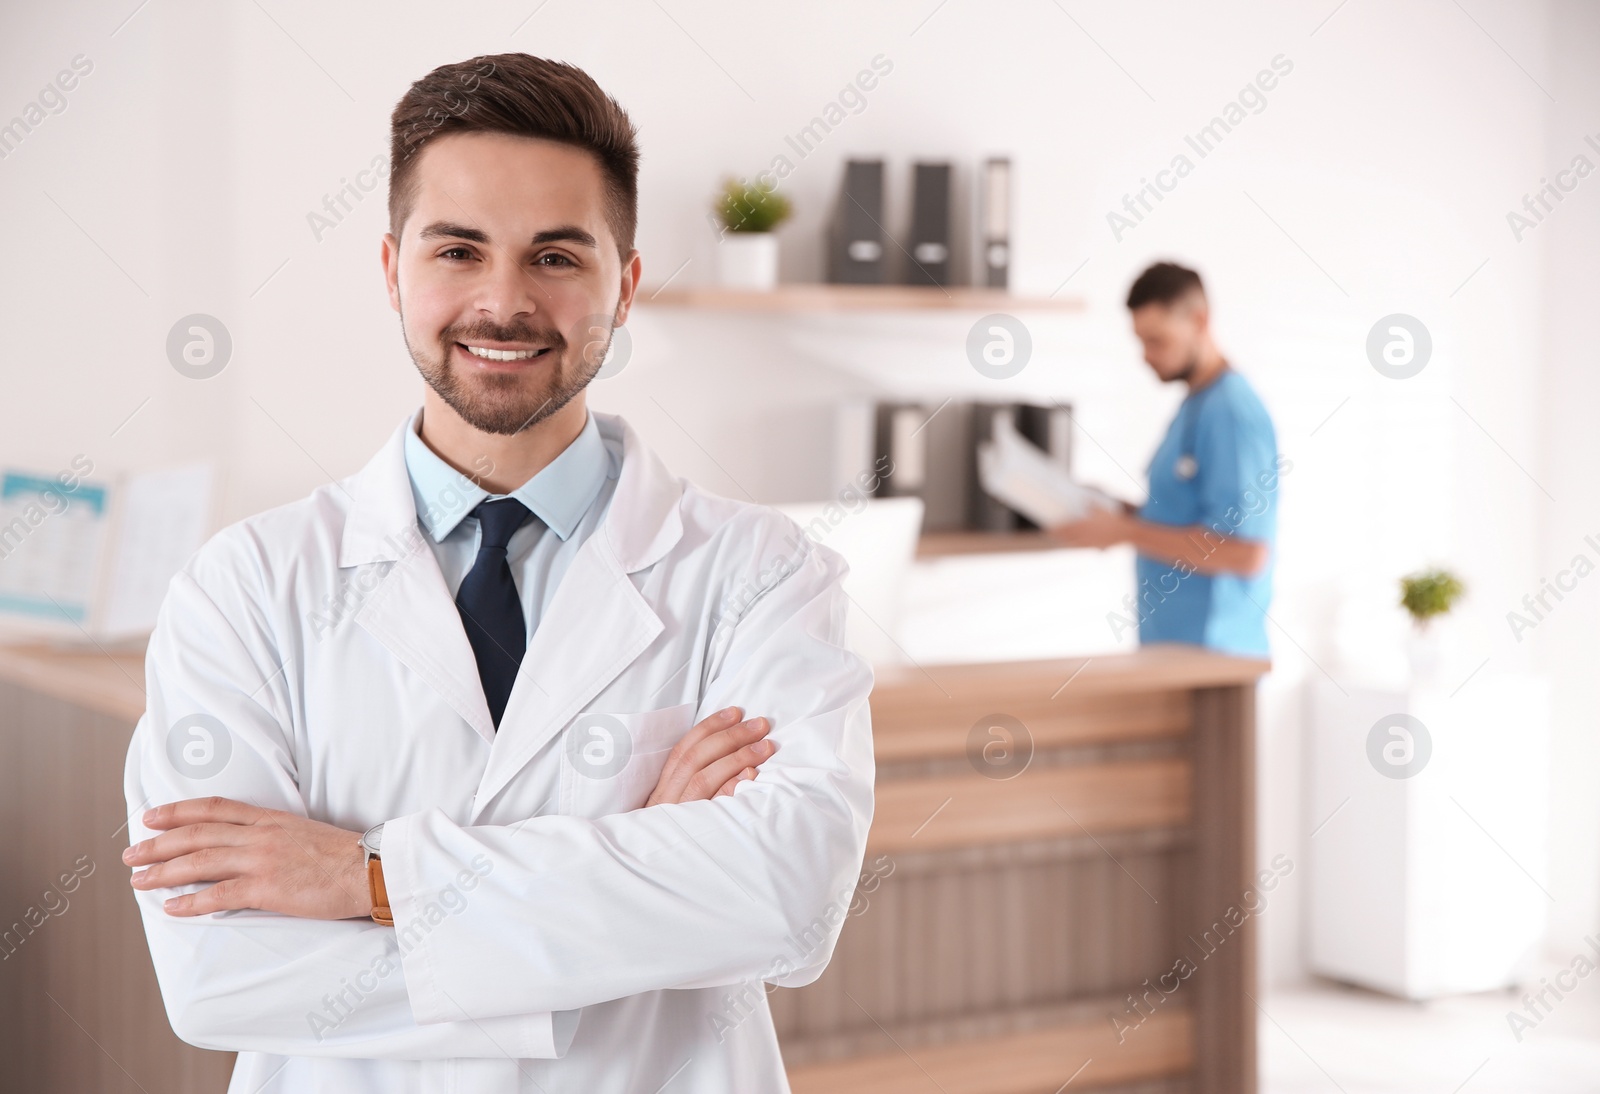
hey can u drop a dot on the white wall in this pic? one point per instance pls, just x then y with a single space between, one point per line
1375 180
1565 640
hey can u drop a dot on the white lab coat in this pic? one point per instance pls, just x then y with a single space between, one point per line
551 935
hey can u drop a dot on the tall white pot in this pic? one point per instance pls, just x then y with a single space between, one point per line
748 260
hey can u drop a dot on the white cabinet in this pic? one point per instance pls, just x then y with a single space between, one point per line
1429 824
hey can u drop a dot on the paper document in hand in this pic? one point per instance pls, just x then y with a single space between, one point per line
1017 473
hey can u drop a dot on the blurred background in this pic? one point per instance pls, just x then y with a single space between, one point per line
1418 159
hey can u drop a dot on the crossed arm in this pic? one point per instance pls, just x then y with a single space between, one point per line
277 861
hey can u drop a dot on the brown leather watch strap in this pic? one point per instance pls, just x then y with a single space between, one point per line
381 912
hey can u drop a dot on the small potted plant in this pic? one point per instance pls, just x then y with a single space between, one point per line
1427 595
747 256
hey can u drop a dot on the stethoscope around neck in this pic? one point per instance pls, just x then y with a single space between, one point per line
1186 467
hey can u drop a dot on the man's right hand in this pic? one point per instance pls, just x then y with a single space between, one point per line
713 757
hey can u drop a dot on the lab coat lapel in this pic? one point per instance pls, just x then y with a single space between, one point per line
409 608
597 622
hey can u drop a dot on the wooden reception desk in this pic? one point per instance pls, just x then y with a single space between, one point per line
1007 911
1021 913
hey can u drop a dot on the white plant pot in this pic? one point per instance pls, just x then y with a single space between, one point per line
1431 881
1425 654
748 260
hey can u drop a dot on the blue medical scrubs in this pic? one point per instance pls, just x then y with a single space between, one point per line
1217 467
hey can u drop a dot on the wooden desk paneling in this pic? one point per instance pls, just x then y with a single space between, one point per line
1042 802
1085 1053
922 726
79 1007
1003 923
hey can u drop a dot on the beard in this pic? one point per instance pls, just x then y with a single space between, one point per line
1187 370
506 403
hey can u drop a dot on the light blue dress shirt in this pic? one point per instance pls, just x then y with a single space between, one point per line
1218 467
568 497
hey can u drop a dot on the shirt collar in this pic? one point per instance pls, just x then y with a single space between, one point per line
559 494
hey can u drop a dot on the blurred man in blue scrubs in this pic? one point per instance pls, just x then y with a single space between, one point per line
1205 538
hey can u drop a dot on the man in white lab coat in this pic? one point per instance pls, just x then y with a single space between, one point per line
509 641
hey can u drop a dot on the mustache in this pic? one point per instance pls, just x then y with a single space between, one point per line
489 333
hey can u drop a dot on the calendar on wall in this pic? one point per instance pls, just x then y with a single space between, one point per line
90 560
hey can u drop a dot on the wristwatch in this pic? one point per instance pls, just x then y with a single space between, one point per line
380 895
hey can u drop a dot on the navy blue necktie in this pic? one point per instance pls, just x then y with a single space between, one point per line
490 609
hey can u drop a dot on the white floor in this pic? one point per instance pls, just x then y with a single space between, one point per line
1329 1038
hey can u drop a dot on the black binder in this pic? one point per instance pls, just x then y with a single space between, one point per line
857 251
930 235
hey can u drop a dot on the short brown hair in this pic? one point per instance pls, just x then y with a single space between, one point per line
1164 283
525 96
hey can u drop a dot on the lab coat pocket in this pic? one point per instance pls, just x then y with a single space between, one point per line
610 762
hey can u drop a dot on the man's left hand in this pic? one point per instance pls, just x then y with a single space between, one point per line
1101 528
257 858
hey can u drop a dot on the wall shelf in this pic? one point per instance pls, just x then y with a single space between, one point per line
940 544
808 298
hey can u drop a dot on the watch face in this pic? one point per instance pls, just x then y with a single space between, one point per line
372 838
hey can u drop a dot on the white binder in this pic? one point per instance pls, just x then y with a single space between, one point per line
1016 472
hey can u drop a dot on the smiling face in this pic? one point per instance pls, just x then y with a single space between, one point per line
506 276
